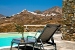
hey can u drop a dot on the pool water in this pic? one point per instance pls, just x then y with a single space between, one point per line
6 41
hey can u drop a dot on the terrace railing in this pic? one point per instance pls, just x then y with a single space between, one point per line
33 27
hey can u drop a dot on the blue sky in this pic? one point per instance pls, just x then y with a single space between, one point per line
10 7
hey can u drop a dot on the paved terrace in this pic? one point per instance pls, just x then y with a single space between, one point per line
61 45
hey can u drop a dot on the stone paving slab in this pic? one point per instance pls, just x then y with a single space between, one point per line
63 44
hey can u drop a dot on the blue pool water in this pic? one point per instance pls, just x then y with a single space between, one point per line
6 41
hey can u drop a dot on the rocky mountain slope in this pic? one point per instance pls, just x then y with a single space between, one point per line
55 9
2 16
26 17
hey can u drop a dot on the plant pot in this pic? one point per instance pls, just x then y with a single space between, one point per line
22 39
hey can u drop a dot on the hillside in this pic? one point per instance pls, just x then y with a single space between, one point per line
2 16
55 9
26 17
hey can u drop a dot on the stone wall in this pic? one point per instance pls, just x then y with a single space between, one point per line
68 23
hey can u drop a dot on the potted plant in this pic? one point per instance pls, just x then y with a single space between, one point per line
20 29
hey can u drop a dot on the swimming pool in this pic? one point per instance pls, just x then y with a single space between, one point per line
5 39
